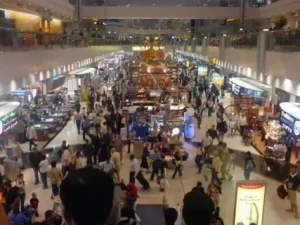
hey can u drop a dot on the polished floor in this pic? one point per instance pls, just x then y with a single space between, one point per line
274 207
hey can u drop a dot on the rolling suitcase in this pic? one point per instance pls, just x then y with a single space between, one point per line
141 179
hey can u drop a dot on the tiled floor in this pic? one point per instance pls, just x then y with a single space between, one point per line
274 207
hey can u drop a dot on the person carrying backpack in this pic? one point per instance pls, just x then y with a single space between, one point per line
249 165
222 129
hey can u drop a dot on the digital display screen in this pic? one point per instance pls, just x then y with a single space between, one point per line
249 202
202 70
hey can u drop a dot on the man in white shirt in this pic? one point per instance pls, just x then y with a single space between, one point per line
31 135
108 167
216 167
66 159
242 123
206 143
133 169
116 158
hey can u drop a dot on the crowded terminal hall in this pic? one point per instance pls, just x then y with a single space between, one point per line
139 118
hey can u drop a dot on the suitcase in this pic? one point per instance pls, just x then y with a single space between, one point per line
141 179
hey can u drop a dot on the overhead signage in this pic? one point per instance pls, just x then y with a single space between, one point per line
202 70
236 89
249 202
290 124
7 122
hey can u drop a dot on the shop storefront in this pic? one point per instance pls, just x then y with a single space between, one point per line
290 124
282 96
252 99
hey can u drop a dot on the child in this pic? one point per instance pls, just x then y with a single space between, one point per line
34 203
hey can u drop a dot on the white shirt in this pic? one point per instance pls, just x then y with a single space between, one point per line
44 166
243 120
134 165
107 167
206 141
66 158
31 133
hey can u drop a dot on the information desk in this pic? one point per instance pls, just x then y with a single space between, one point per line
43 131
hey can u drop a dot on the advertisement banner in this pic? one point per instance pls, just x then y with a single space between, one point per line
249 202
202 70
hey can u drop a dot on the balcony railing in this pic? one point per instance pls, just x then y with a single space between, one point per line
173 3
278 40
243 41
12 39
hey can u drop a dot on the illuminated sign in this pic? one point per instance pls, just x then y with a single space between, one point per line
249 202
202 70
8 121
290 124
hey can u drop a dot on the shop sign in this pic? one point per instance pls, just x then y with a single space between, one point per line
290 124
249 202
236 89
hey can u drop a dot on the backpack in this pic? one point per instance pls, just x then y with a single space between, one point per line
281 192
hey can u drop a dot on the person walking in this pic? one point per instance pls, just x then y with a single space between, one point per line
133 168
35 157
56 178
20 183
145 156
44 168
293 186
226 159
77 120
31 135
177 161
249 165
216 167
199 158
66 159
85 126
116 158
222 128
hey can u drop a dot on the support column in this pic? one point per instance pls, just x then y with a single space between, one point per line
193 45
261 53
222 47
242 12
185 45
78 14
205 42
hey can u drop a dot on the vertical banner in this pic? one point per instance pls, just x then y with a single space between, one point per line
249 202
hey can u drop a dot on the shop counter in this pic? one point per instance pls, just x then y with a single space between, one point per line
58 120
62 116
43 131
68 111
47 120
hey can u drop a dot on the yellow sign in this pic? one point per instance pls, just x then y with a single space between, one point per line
212 61
249 202
187 63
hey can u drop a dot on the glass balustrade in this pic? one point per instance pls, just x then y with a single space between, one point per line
285 40
171 3
11 39
242 40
